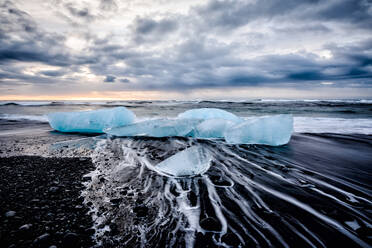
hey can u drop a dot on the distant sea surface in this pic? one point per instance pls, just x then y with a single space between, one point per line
311 116
315 191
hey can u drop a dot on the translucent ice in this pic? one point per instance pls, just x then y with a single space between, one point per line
212 128
156 128
192 161
271 130
208 113
94 121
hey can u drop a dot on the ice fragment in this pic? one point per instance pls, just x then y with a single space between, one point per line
94 121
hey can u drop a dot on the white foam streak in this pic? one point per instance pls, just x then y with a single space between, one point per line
332 125
312 211
243 203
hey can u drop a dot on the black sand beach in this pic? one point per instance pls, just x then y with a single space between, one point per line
315 176
40 202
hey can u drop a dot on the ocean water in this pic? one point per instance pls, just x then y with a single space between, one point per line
313 192
311 116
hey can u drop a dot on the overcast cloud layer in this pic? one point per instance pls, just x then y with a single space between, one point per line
96 47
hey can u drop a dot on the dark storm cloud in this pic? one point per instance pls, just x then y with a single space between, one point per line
358 12
110 79
203 63
53 73
231 14
17 77
278 69
22 41
147 29
83 13
124 80
314 29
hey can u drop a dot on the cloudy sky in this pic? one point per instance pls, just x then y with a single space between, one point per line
185 49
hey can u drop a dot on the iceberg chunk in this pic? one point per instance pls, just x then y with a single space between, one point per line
94 121
212 128
209 113
190 162
270 130
156 128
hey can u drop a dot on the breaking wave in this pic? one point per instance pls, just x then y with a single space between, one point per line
15 117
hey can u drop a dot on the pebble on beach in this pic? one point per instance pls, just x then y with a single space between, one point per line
40 200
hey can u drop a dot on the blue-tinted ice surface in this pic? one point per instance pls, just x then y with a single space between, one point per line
209 113
94 121
212 128
156 128
198 123
269 130
189 162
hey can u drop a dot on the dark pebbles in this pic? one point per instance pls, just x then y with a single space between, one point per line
40 202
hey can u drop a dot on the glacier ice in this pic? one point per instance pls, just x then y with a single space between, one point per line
197 123
156 128
269 130
94 121
209 113
212 128
190 162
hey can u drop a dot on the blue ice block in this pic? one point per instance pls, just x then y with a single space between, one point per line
192 161
94 121
209 113
269 130
212 128
156 128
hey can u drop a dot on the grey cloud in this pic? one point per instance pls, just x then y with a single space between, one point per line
53 73
231 14
27 44
147 29
358 12
83 13
228 15
204 70
110 79
124 80
108 5
23 41
305 28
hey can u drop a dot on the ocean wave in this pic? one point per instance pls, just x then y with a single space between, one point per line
26 103
15 117
177 102
332 125
317 100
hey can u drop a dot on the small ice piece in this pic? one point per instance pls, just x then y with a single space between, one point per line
269 130
190 162
156 128
353 224
209 113
212 128
94 121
